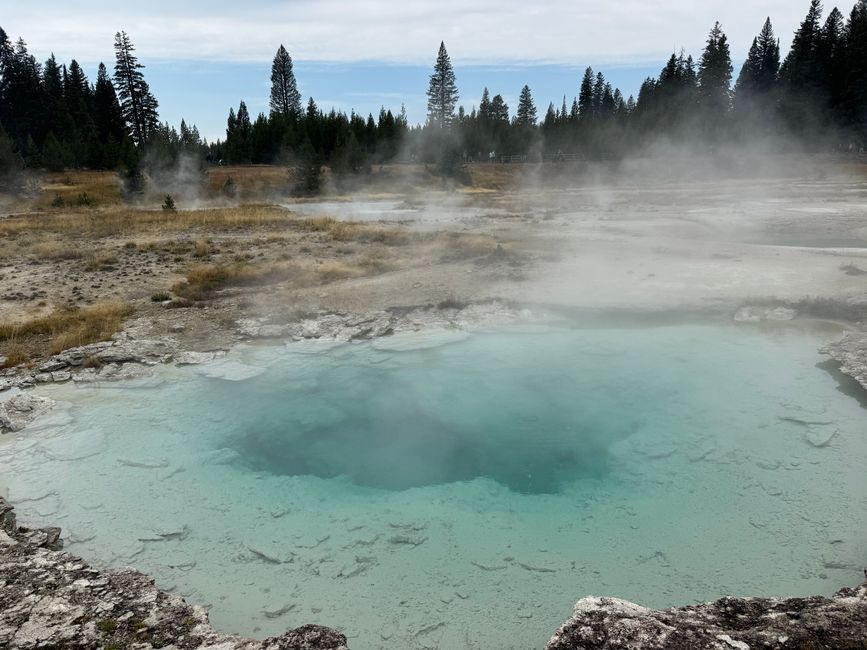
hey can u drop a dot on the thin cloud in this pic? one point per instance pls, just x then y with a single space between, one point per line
478 32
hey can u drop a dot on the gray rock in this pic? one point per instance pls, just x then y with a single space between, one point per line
195 358
53 364
51 599
851 354
728 624
20 410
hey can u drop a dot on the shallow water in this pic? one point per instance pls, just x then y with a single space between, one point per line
453 491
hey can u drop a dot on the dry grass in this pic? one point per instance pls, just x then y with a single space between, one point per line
250 180
61 330
53 250
204 279
104 188
131 222
100 261
344 231
464 246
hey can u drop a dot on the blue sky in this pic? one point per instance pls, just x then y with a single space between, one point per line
203 57
190 89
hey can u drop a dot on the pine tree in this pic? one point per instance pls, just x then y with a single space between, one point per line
714 79
79 102
239 131
854 97
761 70
830 63
585 95
107 116
138 105
57 117
499 110
7 63
285 98
526 108
10 162
442 93
799 68
54 154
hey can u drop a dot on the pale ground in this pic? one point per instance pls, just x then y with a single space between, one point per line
796 237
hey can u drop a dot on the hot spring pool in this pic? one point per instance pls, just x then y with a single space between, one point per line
455 491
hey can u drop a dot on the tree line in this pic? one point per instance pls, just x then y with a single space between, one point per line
814 99
52 116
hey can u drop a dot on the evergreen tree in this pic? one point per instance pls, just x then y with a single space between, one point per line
761 70
854 91
442 92
485 113
56 111
23 110
107 116
78 98
830 64
7 67
285 98
526 115
138 105
714 80
585 95
54 155
800 67
10 162
239 131
598 94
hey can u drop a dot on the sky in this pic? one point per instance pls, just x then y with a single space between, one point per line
203 57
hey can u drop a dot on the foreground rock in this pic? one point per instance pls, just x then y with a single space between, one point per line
728 624
851 354
50 599
20 410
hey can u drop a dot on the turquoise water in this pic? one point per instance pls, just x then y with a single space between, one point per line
444 490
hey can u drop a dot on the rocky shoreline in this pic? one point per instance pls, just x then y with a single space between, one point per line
131 354
51 599
851 353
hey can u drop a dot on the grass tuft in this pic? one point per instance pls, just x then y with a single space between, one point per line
61 330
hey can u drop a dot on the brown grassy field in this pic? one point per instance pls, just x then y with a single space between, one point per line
71 276
62 329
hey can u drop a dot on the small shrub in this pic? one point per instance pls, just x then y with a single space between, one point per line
15 353
58 202
100 262
160 296
169 204
451 303
84 200
54 250
91 362
107 625
201 248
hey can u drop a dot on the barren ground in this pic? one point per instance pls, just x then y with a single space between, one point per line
642 238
